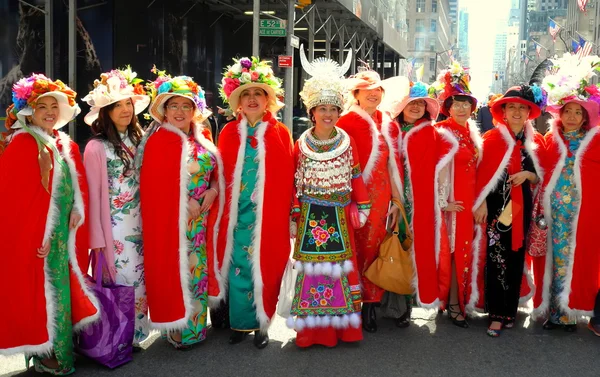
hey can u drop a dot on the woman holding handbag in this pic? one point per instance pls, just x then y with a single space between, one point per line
425 150
567 277
376 137
457 190
504 199
115 222
331 198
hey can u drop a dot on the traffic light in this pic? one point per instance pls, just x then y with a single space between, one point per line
303 3
496 76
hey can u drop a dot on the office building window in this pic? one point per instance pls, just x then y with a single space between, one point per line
432 64
407 25
419 25
420 6
419 44
432 44
433 28
433 6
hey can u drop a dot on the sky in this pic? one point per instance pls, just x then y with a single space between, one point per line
484 16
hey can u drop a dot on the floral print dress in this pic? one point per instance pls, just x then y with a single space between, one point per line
126 223
564 202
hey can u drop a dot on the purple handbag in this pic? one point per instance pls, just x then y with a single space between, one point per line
109 341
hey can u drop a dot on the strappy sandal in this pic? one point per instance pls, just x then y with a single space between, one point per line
453 315
509 323
177 345
41 368
494 333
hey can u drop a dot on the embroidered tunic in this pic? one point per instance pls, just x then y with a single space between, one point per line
327 291
564 202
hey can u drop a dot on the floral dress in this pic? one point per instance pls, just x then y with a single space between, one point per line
126 222
242 309
565 202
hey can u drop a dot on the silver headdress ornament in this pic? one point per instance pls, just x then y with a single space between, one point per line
326 86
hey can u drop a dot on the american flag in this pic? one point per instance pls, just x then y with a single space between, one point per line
582 4
538 48
553 29
526 60
584 49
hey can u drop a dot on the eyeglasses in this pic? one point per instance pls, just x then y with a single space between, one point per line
184 108
417 103
461 105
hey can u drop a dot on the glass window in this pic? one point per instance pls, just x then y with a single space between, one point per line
431 44
420 6
419 44
432 64
433 6
419 25
433 28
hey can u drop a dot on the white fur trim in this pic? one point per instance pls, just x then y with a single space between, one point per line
184 243
336 321
471 306
332 269
523 300
298 266
510 142
290 322
336 273
438 216
214 302
375 152
386 125
476 138
311 322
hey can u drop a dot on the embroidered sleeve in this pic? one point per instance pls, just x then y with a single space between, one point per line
356 171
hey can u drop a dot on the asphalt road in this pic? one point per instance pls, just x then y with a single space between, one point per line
431 346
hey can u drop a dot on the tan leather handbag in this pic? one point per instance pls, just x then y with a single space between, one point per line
393 268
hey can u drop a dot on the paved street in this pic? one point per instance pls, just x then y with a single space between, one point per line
431 346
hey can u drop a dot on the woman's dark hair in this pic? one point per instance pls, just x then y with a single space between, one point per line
586 117
400 117
450 100
104 129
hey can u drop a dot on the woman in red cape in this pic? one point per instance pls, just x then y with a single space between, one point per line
258 165
509 168
568 276
179 182
43 255
425 150
458 189
376 136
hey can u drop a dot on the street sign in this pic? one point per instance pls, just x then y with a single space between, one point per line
272 28
285 61
295 41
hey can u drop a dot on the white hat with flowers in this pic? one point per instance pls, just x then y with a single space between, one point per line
248 73
114 86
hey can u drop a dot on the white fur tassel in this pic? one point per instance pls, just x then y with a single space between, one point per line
309 269
336 272
348 267
327 268
355 320
345 321
299 266
326 322
336 322
290 322
311 322
318 321
318 269
300 324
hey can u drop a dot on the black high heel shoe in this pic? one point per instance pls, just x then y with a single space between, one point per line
237 337
404 321
453 314
260 340
369 317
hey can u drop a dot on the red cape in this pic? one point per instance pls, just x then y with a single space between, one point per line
275 185
27 322
498 144
426 151
582 280
164 200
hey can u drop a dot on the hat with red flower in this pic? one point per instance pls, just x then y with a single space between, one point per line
166 87
451 82
115 86
27 92
248 73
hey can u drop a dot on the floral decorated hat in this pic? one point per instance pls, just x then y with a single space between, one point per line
451 82
248 73
401 92
570 82
326 86
165 87
114 86
530 95
27 91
